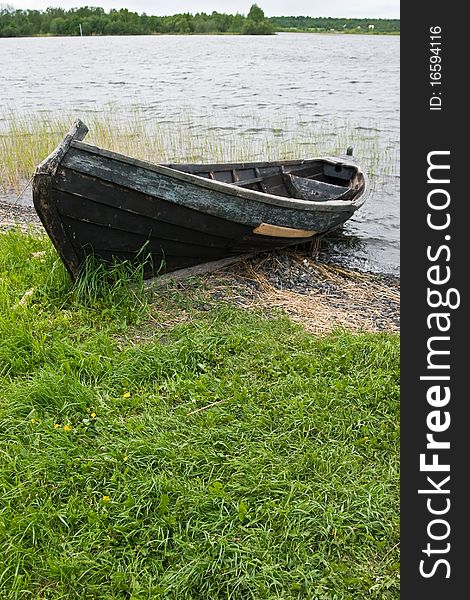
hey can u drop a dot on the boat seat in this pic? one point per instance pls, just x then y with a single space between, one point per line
314 190
243 182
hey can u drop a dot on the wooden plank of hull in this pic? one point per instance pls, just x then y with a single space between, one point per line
85 210
103 237
201 269
76 208
104 193
225 205
97 236
268 167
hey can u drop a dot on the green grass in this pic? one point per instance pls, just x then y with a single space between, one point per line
119 481
25 140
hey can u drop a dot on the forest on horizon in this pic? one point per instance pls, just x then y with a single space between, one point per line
96 21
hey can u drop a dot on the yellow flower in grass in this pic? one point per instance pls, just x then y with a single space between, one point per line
105 498
93 415
67 427
56 426
126 395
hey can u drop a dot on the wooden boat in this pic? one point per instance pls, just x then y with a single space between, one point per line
93 201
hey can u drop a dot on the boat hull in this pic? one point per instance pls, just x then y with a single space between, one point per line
95 202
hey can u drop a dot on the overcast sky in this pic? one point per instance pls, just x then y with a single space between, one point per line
315 8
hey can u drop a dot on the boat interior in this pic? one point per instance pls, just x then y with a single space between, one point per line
312 180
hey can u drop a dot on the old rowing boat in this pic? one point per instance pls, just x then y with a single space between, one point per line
96 202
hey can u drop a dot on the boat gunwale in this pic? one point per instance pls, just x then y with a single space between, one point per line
233 190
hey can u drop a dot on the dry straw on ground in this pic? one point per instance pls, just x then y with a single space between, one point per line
321 297
333 297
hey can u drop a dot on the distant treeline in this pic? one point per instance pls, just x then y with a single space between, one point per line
96 21
335 24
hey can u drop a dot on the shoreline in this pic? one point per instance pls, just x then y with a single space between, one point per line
222 33
319 294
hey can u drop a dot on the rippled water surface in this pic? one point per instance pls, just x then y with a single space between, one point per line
288 84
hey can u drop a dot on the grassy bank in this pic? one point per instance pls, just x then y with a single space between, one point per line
230 454
335 31
25 140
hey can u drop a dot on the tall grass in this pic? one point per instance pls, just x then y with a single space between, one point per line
25 140
230 456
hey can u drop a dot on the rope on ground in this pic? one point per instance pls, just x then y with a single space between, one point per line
8 213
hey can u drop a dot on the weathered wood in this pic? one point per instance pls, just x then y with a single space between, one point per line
96 202
215 202
107 238
340 171
53 224
317 191
49 165
243 182
201 269
134 166
88 211
121 198
282 232
154 264
304 170
263 182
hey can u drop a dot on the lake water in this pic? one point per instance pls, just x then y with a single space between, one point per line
291 85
